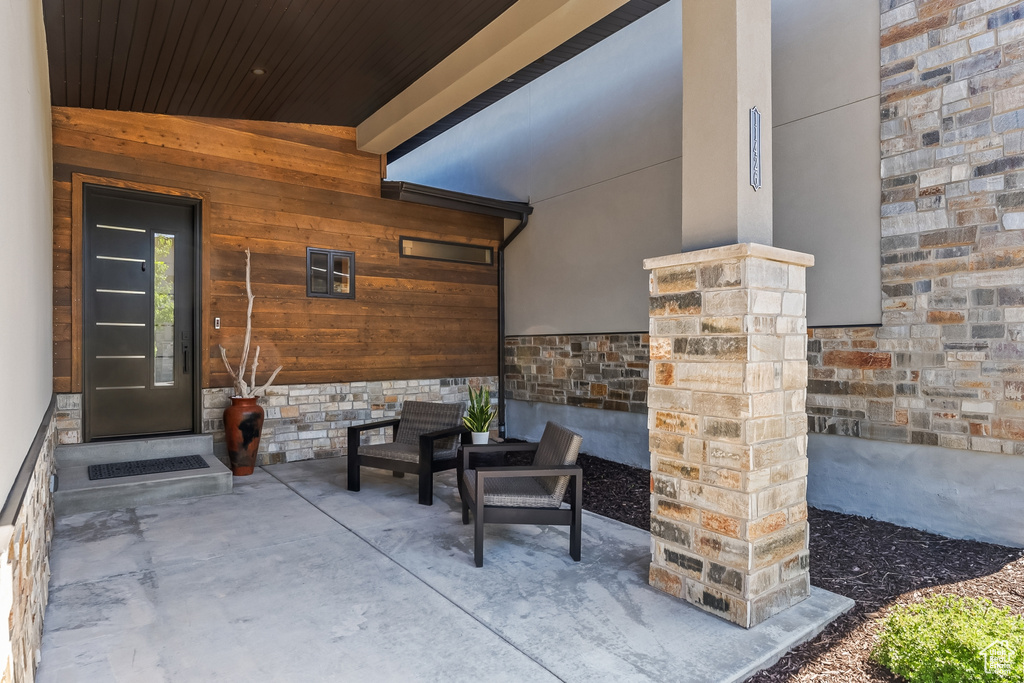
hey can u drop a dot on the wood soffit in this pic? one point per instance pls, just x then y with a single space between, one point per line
329 62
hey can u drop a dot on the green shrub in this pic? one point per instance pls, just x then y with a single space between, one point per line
945 639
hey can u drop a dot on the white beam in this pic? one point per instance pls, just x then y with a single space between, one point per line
525 32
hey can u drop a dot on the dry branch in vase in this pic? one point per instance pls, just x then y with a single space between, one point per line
243 389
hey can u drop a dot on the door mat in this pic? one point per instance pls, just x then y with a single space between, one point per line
132 468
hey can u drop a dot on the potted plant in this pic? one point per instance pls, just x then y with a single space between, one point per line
478 417
243 419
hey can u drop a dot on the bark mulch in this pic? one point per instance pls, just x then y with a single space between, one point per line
875 563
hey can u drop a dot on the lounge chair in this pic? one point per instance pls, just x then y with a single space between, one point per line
425 441
530 494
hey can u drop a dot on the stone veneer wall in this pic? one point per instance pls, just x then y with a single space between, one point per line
68 418
25 571
946 367
305 421
604 371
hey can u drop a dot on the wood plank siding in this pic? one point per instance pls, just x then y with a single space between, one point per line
278 188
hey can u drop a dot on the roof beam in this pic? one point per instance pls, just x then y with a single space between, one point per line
525 32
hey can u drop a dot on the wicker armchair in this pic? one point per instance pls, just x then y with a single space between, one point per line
525 495
426 440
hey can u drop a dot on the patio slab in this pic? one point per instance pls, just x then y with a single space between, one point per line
292 577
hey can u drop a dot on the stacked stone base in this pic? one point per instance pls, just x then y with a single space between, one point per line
25 569
728 432
306 421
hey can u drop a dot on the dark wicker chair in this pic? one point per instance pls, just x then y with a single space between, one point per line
530 494
426 440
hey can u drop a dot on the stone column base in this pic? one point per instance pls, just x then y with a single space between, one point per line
728 430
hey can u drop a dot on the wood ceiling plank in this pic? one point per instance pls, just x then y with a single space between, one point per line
53 21
73 51
141 28
90 50
200 24
332 23
299 28
241 77
243 24
325 69
120 51
110 11
173 38
155 37
217 45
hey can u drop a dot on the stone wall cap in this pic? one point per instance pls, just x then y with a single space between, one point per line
731 251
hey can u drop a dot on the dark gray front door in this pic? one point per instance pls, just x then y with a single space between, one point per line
137 313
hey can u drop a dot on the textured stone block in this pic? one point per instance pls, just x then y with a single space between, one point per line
688 303
674 280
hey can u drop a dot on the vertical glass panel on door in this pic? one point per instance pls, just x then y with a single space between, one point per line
318 264
163 310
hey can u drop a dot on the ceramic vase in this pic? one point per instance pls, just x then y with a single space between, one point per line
243 423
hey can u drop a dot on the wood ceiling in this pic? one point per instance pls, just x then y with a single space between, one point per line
326 61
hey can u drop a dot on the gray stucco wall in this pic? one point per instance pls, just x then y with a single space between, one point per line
594 146
612 435
26 226
826 131
950 492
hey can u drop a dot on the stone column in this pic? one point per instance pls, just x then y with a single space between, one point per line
728 431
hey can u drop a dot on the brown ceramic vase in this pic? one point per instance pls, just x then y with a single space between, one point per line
243 422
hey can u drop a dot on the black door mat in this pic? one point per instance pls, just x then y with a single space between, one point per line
132 468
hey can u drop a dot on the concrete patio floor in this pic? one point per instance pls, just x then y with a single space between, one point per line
293 578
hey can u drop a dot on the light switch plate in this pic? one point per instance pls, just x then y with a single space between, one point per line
216 323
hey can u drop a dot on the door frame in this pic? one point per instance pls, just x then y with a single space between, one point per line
201 266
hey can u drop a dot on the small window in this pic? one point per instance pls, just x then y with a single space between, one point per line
330 273
411 247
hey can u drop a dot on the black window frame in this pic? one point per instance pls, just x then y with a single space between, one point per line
331 254
401 251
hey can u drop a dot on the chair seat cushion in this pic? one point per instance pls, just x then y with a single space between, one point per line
516 492
401 451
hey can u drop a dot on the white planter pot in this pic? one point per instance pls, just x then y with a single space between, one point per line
480 437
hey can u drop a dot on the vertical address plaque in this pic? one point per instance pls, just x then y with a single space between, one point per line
755 149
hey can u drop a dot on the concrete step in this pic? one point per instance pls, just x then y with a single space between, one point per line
76 493
102 452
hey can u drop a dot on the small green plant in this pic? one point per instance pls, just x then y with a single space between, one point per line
950 639
478 417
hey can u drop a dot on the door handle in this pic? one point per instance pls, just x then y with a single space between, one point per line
184 358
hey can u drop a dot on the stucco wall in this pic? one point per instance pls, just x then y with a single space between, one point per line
825 97
25 226
594 145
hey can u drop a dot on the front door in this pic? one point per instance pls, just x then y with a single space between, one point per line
138 284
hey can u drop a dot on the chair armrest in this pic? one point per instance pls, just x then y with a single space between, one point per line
529 471
442 433
359 429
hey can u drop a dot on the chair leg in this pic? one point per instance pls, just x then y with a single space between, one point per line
478 524
465 511
576 528
398 475
426 485
353 469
